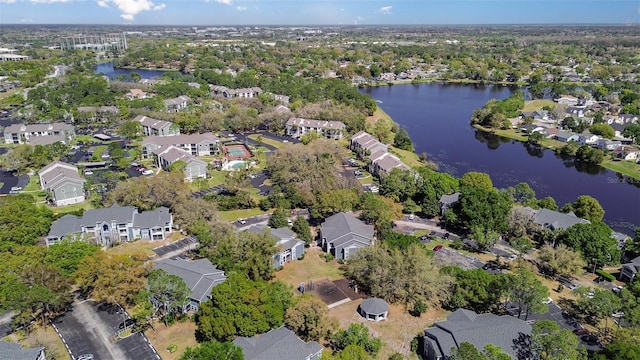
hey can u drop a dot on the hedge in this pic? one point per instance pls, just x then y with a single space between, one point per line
605 275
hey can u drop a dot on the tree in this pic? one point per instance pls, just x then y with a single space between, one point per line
402 140
309 319
618 350
278 219
213 350
589 208
242 307
334 201
593 241
432 185
22 222
477 289
379 210
178 167
130 130
598 306
356 334
477 180
527 292
484 208
535 138
302 229
466 351
604 130
485 238
168 293
522 193
561 260
550 342
67 255
633 132
399 185
45 292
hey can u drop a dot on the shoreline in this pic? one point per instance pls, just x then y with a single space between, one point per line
379 83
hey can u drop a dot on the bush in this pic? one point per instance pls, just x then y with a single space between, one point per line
606 275
419 307
328 257
301 257
172 348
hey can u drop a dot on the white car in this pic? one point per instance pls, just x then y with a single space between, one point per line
242 221
88 172
289 222
147 172
547 301
411 216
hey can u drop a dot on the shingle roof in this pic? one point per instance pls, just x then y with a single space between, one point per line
199 275
467 326
149 219
18 128
180 139
281 344
450 199
285 237
342 228
375 306
557 220
177 101
151 122
316 124
119 214
388 161
13 351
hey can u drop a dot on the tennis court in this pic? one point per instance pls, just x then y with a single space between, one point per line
237 152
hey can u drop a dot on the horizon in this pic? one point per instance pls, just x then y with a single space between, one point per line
318 12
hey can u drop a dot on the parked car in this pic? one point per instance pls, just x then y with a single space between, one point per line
147 172
85 357
547 301
438 247
126 324
242 221
581 331
590 339
135 164
88 172
16 188
411 216
289 222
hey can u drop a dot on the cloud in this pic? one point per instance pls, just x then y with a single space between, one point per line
241 8
385 10
128 8
226 2
8 1
49 1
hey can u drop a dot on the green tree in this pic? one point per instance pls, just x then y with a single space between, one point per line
130 130
168 293
484 208
593 241
309 318
278 219
399 185
598 306
527 292
21 221
618 350
433 185
356 334
477 289
178 167
535 138
213 350
550 342
589 208
604 130
242 307
633 132
477 180
302 229
561 260
66 255
402 140
466 351
378 210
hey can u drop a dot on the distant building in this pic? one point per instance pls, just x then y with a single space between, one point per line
195 144
194 167
40 134
281 344
137 94
176 104
235 93
289 247
155 127
343 234
107 226
297 127
14 351
63 182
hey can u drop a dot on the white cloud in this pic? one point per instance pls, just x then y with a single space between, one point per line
226 2
130 8
8 1
241 8
48 1
385 10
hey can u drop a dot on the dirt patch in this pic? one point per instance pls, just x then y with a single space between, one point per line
181 334
396 332
312 267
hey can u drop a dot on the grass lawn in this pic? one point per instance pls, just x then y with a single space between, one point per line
143 246
265 140
33 185
233 215
628 168
379 114
533 105
71 208
408 157
97 152
312 267
42 336
86 139
181 334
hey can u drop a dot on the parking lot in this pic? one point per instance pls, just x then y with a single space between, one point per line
10 180
176 246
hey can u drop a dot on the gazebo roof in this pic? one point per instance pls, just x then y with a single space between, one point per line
374 306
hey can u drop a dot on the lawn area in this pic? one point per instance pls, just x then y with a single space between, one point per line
408 157
71 208
379 114
42 336
86 139
33 185
143 246
264 140
181 334
312 267
233 215
628 168
533 105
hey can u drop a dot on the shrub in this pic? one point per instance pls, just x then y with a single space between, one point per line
172 348
606 275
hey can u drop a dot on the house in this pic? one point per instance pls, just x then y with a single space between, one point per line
235 93
46 133
566 136
176 104
447 201
289 247
374 309
14 351
194 167
629 270
605 144
195 144
200 276
155 127
531 128
618 129
478 329
384 163
137 94
343 234
99 113
588 139
556 220
550 132
281 344
297 127
63 183
567 100
282 99
364 144
536 115
626 152
575 111
107 226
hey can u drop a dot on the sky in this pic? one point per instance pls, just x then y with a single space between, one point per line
319 12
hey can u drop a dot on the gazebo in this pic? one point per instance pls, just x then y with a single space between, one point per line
374 309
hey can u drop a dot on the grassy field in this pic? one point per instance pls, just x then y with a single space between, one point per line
143 246
379 114
533 105
233 215
628 168
312 267
33 185
45 337
181 334
408 157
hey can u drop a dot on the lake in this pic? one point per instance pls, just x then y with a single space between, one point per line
437 117
111 72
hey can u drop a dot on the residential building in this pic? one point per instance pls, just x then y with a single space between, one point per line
343 234
567 100
626 152
155 127
536 115
556 220
63 183
588 139
605 144
364 144
194 167
629 270
46 133
281 344
14 351
195 144
176 104
289 247
235 93
383 163
99 113
381 160
200 276
447 201
107 226
137 94
297 127
566 136
479 330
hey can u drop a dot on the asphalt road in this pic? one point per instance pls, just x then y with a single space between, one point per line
9 180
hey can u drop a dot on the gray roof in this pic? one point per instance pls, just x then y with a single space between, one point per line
389 161
375 306
18 128
467 326
316 124
117 214
180 139
177 101
557 220
199 275
565 135
13 351
46 140
285 237
450 199
342 228
151 122
281 344
149 219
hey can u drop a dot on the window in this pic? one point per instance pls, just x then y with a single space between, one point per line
105 227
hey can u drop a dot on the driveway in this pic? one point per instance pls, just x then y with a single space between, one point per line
9 180
91 329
